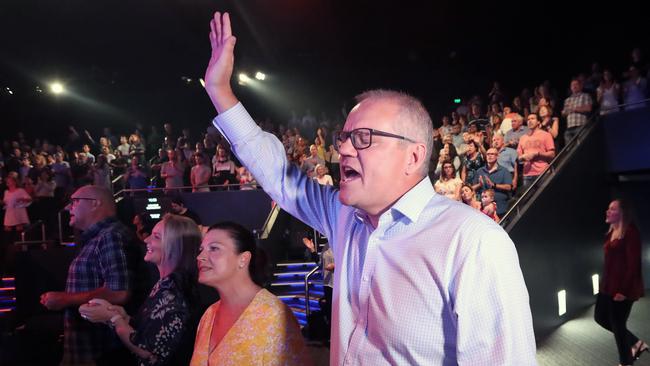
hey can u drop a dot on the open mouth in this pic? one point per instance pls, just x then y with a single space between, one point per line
348 174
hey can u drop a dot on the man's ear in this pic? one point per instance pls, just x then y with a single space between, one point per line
416 156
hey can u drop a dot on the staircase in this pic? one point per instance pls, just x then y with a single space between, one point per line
288 284
7 295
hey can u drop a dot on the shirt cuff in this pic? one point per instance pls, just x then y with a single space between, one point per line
235 124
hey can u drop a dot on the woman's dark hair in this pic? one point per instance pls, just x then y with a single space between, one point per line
627 212
452 151
443 174
245 242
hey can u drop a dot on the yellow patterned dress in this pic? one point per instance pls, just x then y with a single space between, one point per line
266 333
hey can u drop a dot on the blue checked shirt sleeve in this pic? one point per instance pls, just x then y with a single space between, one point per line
112 261
264 155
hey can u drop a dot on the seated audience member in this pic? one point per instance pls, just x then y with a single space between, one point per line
143 225
163 330
246 180
248 325
178 208
536 149
488 206
200 176
321 177
449 184
15 201
100 270
468 196
495 177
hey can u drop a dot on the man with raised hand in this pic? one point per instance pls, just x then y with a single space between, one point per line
420 279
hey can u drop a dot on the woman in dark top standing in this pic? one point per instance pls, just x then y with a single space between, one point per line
622 282
162 333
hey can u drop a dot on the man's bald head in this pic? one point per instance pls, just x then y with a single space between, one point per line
89 205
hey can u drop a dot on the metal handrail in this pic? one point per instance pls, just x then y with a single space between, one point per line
30 227
225 187
307 307
554 165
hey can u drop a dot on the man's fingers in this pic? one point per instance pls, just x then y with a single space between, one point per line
226 31
217 28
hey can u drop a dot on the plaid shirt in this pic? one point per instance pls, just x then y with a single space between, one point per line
101 261
576 119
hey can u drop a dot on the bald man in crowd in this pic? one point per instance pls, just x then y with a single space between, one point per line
98 271
420 279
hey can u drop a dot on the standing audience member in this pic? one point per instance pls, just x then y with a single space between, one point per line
518 129
136 176
101 173
15 201
248 325
634 89
548 122
200 176
576 110
507 158
162 332
172 171
62 178
223 168
622 281
246 180
536 149
386 202
495 177
472 162
608 94
99 271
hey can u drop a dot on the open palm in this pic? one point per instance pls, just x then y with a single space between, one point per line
219 71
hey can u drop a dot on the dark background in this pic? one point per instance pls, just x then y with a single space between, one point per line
122 62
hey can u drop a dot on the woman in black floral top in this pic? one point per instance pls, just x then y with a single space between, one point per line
163 330
472 161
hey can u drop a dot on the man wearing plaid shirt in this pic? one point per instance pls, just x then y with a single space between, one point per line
576 110
98 271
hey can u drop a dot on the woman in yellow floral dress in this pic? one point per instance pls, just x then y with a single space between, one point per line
248 325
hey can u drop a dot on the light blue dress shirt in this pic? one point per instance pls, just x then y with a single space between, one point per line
436 283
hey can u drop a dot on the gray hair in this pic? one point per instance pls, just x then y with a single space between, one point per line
413 122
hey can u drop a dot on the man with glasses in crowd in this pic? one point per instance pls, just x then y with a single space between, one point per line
98 271
420 279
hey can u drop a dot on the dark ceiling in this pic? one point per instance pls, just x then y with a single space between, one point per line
317 52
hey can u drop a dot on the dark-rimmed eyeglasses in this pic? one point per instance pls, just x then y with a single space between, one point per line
76 200
362 137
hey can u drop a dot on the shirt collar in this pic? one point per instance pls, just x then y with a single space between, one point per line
92 231
410 205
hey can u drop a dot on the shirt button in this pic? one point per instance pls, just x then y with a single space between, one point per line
365 278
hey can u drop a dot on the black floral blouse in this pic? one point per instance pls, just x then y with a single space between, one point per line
472 166
162 322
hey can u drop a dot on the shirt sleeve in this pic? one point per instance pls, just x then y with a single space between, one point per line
264 155
112 261
499 330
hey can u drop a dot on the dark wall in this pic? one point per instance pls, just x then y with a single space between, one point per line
627 140
560 238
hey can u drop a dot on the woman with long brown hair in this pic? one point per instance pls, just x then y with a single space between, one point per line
622 282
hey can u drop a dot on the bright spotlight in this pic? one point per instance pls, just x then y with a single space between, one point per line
202 82
260 76
243 77
595 279
57 88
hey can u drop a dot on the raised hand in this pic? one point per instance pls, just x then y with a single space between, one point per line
220 67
